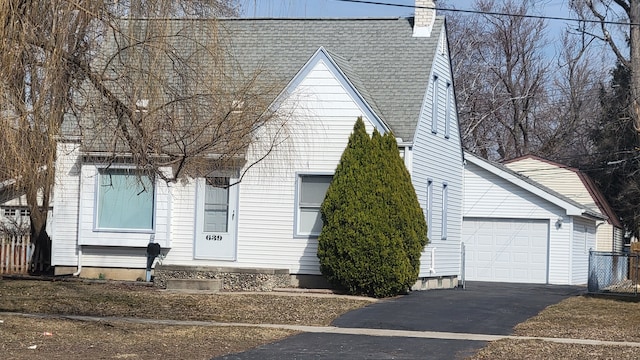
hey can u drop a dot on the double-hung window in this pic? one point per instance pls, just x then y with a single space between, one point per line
311 192
125 200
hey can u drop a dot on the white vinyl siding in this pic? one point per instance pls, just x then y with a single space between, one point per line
65 204
439 160
564 181
311 192
584 239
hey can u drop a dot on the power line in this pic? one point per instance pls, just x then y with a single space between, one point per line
494 13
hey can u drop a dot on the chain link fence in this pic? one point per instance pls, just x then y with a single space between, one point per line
613 273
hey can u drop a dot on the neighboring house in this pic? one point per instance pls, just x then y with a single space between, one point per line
577 186
14 213
14 209
518 230
395 73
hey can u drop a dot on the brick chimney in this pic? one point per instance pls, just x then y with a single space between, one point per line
424 18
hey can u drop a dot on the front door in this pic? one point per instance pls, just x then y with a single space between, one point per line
216 215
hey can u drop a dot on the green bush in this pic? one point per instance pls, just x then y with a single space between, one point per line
374 229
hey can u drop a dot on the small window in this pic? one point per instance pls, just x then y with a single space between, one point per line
429 206
311 192
445 200
9 212
447 113
125 200
434 106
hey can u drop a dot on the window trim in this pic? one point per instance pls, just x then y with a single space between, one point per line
443 46
296 205
447 113
429 207
434 104
96 197
445 206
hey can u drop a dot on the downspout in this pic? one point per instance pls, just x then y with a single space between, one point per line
613 239
77 273
79 216
432 269
571 225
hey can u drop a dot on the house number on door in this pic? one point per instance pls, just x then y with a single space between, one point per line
214 237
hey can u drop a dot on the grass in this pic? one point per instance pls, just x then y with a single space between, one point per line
543 350
117 299
581 317
68 339
27 338
586 317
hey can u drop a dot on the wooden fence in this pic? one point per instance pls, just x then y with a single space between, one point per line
15 252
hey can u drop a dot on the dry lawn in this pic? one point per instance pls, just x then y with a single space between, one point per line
543 350
586 317
581 317
131 300
66 339
46 338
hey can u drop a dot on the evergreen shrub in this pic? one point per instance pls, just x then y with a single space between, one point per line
374 229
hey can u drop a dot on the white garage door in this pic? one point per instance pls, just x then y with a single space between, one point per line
507 250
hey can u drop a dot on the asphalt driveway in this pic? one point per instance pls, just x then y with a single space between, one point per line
481 308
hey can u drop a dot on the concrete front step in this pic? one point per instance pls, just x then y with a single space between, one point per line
210 285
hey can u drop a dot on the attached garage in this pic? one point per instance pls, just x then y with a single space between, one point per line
506 250
516 230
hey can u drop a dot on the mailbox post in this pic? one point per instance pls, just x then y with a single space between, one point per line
153 250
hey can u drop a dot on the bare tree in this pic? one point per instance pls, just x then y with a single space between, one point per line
573 105
617 24
137 86
501 75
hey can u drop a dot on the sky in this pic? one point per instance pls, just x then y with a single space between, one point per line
335 8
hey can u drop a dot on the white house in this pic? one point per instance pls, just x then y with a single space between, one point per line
395 73
579 187
517 230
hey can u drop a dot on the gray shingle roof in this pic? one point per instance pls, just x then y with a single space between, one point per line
389 67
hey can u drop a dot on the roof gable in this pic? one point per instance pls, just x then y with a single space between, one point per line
384 63
322 55
571 207
567 181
